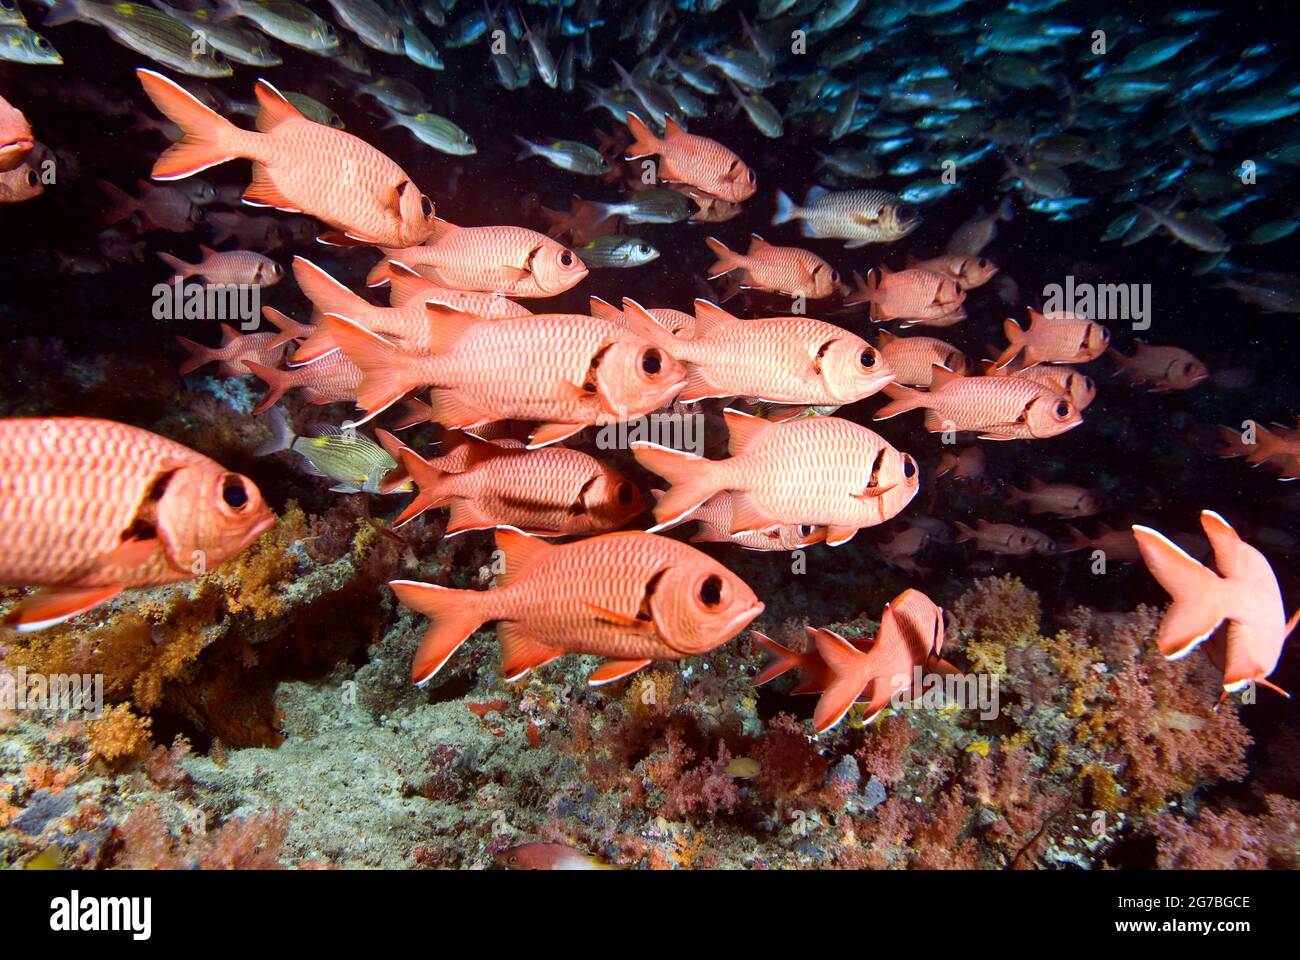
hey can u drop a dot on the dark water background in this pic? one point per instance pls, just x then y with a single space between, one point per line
1130 447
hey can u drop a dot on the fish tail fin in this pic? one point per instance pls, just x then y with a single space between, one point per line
277 382
428 481
1197 608
901 400
690 477
290 329
199 355
179 266
644 142
378 360
326 294
785 208
526 148
282 435
844 664
206 134
63 11
1015 343
783 659
727 261
455 615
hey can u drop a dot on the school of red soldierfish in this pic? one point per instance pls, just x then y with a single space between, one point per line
93 507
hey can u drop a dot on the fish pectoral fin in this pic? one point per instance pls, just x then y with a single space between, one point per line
996 436
337 238
548 433
129 553
53 605
865 218
870 492
345 488
619 619
262 191
521 651
854 244
839 535
747 516
612 670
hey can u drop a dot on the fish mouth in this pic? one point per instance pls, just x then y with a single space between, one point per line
743 619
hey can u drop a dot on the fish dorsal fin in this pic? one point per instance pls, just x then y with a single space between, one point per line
274 109
206 251
477 449
672 128
448 324
709 317
404 283
940 376
1225 541
228 334
441 228
911 261
640 322
814 194
757 244
604 310
744 429
1035 318
884 338
520 551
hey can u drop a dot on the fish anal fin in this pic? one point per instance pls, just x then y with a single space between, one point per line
612 670
521 651
53 605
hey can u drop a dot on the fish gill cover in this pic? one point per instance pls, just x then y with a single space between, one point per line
804 433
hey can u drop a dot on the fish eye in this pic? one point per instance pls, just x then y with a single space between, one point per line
711 590
1087 383
329 31
1188 368
218 56
956 288
624 492
982 263
749 175
909 466
835 276
805 529
1063 409
233 492
642 248
907 212
652 361
426 205
32 178
42 43
566 258
277 269
867 358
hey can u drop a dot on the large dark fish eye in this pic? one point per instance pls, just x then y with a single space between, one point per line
909 466
233 492
805 530
982 263
42 43
711 590
426 205
1063 409
749 174
32 178
625 492
1188 368
1087 383
867 358
566 258
652 361
218 56
907 212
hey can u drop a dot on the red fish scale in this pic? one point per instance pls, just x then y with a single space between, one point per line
345 191
526 368
69 489
484 259
333 377
554 595
770 358
977 403
550 479
809 470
